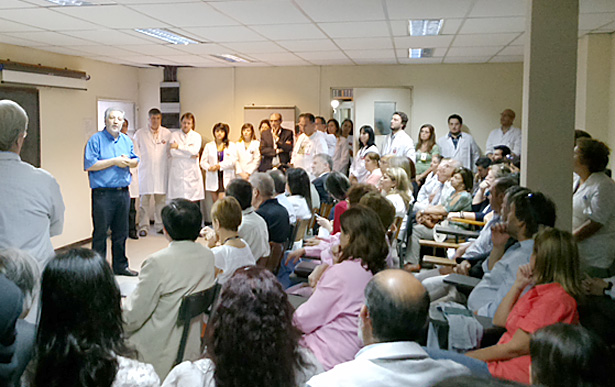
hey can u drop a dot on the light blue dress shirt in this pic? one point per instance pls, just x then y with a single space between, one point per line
102 146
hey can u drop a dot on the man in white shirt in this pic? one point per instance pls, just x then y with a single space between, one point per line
321 126
459 146
310 143
392 320
152 146
506 134
31 209
253 228
399 143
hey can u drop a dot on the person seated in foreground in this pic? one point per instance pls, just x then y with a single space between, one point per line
337 186
329 318
392 320
22 269
276 216
11 300
279 193
565 355
230 251
184 267
253 228
298 186
438 188
80 341
526 214
480 201
251 340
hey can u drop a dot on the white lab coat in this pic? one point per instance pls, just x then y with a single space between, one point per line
210 158
185 178
153 166
248 159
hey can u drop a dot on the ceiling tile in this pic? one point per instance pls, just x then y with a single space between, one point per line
144 59
467 59
112 37
7 4
499 8
308 45
18 41
322 55
276 57
297 62
113 16
451 26
493 25
370 54
225 34
364 43
121 61
420 61
46 18
262 12
512 50
484 40
506 58
356 29
437 52
473 51
255 47
421 9
202 49
343 10
423 41
592 21
102 50
185 14
152 49
374 61
290 31
9 26
609 28
596 6
63 50
50 38
331 62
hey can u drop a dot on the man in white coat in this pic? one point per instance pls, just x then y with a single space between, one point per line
152 146
185 178
506 134
310 143
459 146
399 143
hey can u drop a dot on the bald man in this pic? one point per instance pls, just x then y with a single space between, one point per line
506 134
277 143
393 318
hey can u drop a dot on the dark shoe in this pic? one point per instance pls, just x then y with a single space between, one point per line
160 232
143 233
133 235
126 272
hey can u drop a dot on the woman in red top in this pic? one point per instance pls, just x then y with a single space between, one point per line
554 272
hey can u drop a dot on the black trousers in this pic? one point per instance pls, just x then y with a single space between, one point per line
132 217
110 210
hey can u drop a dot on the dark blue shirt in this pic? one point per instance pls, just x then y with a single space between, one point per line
102 146
276 217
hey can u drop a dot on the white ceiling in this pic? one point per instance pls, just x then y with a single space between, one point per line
281 32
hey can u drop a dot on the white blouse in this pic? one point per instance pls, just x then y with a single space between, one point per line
248 158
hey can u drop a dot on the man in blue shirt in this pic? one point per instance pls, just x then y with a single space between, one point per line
109 155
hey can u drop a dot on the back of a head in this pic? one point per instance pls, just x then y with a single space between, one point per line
566 355
11 301
337 184
182 219
80 330
381 205
505 150
398 306
23 270
404 163
367 238
593 153
241 190
535 209
357 191
279 180
252 340
227 212
484 162
13 123
299 183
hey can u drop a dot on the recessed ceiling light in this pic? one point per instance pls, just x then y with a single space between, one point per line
427 27
165 35
75 3
416 53
231 58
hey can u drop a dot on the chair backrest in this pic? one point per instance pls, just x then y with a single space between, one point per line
291 236
302 226
397 223
272 261
313 218
325 210
193 305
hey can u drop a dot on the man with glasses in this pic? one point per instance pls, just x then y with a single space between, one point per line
276 144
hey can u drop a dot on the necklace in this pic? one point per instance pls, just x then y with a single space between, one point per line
230 238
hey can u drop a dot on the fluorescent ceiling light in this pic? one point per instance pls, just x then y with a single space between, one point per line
417 53
69 2
165 35
427 27
231 58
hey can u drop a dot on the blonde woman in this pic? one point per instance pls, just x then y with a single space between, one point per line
248 152
394 186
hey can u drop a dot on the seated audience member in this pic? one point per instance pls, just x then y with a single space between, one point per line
337 185
578 133
593 208
408 166
298 186
251 340
269 208
480 201
279 184
437 189
527 212
22 269
80 340
554 282
230 251
182 268
501 153
12 303
431 172
372 165
392 320
321 168
253 228
329 318
565 355
395 187
482 169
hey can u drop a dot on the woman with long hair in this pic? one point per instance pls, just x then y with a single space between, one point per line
426 148
367 144
394 186
248 153
251 339
298 186
341 155
185 177
218 160
331 314
80 338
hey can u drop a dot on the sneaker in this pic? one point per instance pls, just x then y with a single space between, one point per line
143 233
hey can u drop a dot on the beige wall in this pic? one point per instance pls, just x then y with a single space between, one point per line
68 118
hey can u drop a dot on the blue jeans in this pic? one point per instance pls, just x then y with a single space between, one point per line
477 367
110 210
285 271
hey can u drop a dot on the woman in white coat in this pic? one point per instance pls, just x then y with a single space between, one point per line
185 178
248 152
218 160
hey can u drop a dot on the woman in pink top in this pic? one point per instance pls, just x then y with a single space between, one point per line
329 319
372 164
